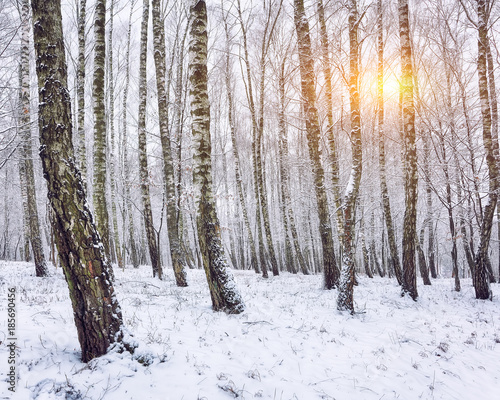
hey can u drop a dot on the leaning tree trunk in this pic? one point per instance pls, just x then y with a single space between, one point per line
80 93
100 202
154 253
480 277
410 155
391 237
223 291
345 300
306 61
26 149
168 165
86 267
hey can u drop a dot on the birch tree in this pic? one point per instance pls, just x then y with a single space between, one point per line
391 237
176 255
26 161
86 267
410 155
332 140
306 61
112 156
143 156
100 178
480 278
232 127
80 92
127 177
345 301
223 291
255 155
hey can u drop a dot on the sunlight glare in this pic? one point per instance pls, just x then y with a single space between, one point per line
391 87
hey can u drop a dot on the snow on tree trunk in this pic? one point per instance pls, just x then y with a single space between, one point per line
345 300
86 267
168 166
331 272
480 278
410 156
223 291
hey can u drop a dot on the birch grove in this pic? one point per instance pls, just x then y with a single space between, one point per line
353 139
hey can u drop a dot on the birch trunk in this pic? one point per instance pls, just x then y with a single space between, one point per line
239 184
366 258
449 203
176 255
410 155
332 141
100 202
391 237
127 183
251 105
430 213
86 267
154 253
480 278
285 206
494 134
223 291
345 300
306 61
80 93
35 235
285 185
26 253
112 156
266 39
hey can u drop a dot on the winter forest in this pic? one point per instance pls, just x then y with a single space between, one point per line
280 199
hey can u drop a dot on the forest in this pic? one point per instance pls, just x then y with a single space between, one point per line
284 162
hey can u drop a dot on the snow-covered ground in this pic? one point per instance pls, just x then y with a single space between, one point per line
291 343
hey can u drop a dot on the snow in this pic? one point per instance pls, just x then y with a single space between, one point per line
290 343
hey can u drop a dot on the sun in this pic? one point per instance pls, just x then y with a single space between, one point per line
391 87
